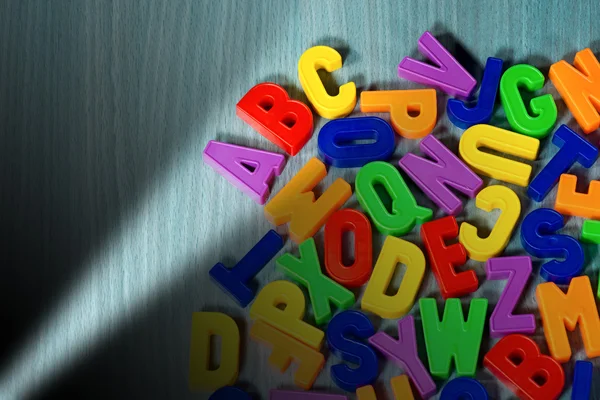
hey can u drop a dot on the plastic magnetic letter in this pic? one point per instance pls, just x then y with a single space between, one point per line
288 320
449 76
250 170
561 311
230 393
517 271
366 393
444 258
330 107
582 380
464 388
235 280
341 333
375 299
464 116
543 108
285 349
517 362
436 177
538 238
572 149
502 141
403 353
295 203
399 103
338 141
268 109
490 198
322 290
278 394
405 212
580 88
570 202
205 325
453 337
400 387
590 231
358 273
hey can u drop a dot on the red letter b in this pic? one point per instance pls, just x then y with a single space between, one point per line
516 361
268 109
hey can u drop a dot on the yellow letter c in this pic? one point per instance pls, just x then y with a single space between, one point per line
330 107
